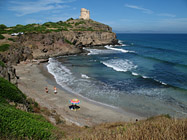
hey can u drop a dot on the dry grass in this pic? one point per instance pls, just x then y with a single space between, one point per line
156 128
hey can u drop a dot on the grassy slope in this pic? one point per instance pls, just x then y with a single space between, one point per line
156 128
17 124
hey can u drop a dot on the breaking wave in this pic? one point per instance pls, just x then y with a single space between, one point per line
117 49
120 65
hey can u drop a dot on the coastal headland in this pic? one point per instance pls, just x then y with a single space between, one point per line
34 47
23 60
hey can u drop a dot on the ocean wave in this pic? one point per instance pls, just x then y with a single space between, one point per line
120 65
61 73
85 76
70 83
127 66
117 49
145 77
121 43
157 59
98 51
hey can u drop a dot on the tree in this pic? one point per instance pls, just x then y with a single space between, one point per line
2 26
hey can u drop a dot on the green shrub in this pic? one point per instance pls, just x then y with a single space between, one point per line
4 47
2 64
90 29
1 36
67 41
78 23
2 26
70 19
11 39
11 92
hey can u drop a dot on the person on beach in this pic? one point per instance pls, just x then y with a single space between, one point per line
46 89
55 91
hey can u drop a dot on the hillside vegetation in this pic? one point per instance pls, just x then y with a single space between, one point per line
69 25
18 124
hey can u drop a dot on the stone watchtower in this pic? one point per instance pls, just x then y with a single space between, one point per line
85 14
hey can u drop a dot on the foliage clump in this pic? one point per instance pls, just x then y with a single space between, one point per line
11 39
2 26
2 64
70 19
17 124
67 41
1 36
4 47
78 23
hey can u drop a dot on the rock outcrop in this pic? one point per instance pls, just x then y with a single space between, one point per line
48 45
90 38
65 42
9 73
65 38
16 53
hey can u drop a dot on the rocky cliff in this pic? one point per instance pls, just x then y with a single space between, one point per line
65 42
51 39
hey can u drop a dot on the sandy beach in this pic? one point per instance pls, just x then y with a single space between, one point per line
34 78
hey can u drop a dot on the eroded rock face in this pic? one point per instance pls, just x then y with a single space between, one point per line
48 45
9 73
65 42
90 38
16 53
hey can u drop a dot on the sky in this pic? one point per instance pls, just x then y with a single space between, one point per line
125 16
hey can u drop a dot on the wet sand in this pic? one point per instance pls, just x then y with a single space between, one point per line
34 78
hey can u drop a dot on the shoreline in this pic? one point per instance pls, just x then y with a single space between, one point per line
34 78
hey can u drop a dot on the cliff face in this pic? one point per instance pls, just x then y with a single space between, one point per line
65 42
48 45
52 39
14 55
89 38
9 73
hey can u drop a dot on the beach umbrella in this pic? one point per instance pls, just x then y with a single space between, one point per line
75 101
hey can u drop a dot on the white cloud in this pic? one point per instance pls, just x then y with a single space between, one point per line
144 10
24 8
167 15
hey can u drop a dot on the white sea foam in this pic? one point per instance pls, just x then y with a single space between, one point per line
121 43
145 77
85 76
135 74
160 82
70 83
98 51
61 73
120 65
117 49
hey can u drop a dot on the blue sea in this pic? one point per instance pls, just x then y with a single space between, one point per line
146 74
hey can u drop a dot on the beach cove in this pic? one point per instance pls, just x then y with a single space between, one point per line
34 78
